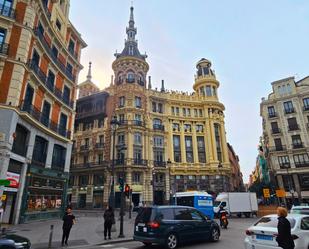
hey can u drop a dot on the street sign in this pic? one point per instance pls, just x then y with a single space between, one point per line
5 182
266 192
280 193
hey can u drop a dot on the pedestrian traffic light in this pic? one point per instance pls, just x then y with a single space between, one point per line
121 184
127 190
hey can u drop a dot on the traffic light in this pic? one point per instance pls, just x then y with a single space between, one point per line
127 190
121 184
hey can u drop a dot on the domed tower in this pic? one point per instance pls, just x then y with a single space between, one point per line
130 65
205 79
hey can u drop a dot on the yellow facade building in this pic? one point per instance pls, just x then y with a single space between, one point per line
166 141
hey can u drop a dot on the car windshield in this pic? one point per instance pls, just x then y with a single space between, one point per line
217 203
272 222
145 215
300 210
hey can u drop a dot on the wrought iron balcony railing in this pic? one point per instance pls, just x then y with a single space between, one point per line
293 127
297 145
275 130
272 114
159 164
289 110
158 127
35 113
141 162
302 164
99 145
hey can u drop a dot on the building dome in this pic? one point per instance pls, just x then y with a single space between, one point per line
203 67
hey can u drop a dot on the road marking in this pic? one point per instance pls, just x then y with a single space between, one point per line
106 246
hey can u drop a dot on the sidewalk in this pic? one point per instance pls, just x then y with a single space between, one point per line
88 230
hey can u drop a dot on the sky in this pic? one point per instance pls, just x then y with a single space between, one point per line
250 44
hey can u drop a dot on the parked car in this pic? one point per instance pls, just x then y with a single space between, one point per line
172 225
263 233
14 241
299 210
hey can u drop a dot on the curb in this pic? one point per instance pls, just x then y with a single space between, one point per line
117 241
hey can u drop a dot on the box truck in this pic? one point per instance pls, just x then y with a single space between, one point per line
239 203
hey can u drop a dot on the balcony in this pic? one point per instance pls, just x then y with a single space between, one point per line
99 145
123 122
277 148
55 59
130 80
7 11
88 113
88 165
289 110
35 113
4 48
119 161
293 127
285 165
45 7
275 131
84 147
159 164
137 122
49 85
301 164
140 162
159 127
297 145
75 55
272 115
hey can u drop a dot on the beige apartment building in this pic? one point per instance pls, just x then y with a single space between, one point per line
285 114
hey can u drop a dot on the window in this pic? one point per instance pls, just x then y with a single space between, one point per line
195 113
101 139
187 127
182 213
188 112
130 77
296 141
218 142
176 127
63 124
66 94
166 214
158 157
131 50
201 112
278 144
137 153
177 148
177 111
40 28
121 101
304 225
136 178
288 107
100 158
292 122
98 180
138 102
54 52
50 80
137 138
121 118
58 24
83 180
184 112
45 114
271 112
160 108
208 91
199 128
158 141
121 138
196 215
2 36
39 151
71 46
301 160
35 58
85 160
20 145
306 104
87 142
154 106
69 69
173 110
288 182
284 161
304 181
59 154
201 149
6 7
189 149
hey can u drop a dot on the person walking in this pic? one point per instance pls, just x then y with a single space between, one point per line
109 220
284 238
68 222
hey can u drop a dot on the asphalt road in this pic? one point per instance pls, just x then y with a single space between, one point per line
232 238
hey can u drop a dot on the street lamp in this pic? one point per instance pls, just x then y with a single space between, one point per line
169 175
121 235
114 123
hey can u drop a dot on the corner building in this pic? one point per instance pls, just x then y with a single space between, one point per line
39 56
174 141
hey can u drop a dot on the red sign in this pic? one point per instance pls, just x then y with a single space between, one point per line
13 178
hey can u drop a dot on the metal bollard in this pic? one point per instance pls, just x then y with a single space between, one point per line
50 236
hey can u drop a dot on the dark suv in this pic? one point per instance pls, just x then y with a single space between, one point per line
172 225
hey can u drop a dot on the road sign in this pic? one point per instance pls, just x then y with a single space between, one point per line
266 192
280 193
5 182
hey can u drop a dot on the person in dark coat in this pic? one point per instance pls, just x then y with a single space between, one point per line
109 220
284 238
68 222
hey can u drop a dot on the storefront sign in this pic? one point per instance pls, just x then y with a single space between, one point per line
3 197
266 192
280 193
14 182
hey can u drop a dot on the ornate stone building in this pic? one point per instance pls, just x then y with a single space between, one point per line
236 180
165 141
39 66
285 136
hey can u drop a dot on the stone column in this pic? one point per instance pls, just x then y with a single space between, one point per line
182 143
194 143
31 145
224 143
297 185
106 190
50 154
170 154
167 186
213 142
20 193
68 157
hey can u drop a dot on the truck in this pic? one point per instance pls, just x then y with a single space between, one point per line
239 203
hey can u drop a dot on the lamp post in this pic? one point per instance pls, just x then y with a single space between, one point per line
169 175
114 123
121 235
153 186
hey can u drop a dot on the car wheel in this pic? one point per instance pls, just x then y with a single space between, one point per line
147 243
247 215
171 241
215 234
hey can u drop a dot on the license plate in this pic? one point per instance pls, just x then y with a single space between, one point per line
141 224
264 237
145 229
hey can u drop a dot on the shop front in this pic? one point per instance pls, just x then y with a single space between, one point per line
45 194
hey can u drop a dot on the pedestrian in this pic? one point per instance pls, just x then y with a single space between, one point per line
109 220
68 222
284 238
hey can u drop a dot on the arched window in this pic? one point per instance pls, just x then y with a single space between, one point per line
131 77
131 50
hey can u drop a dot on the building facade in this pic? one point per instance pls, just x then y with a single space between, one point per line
165 141
285 135
39 66
236 179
